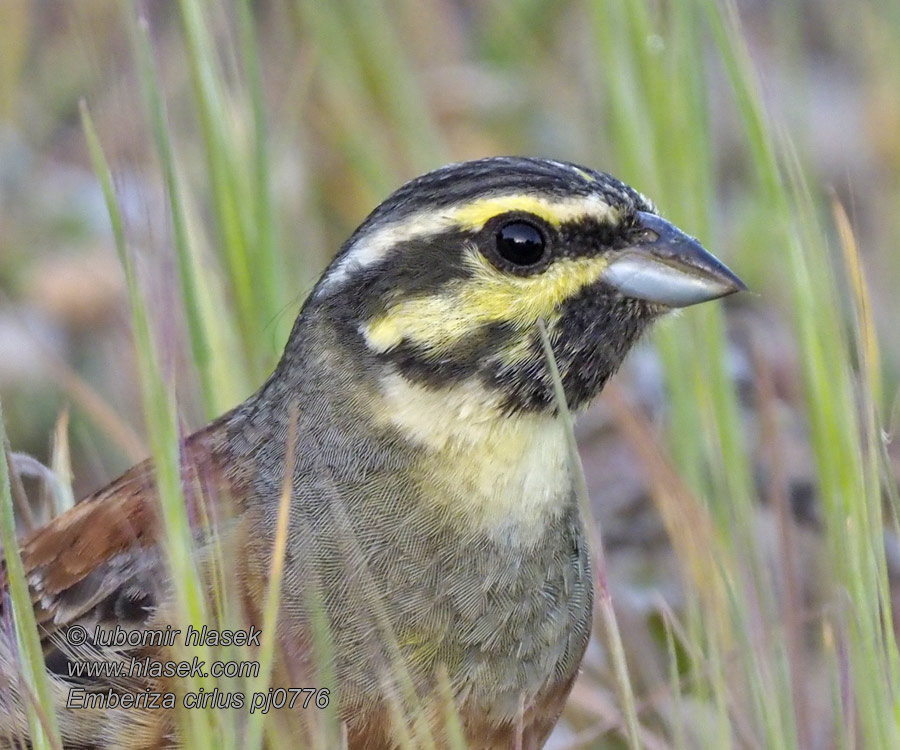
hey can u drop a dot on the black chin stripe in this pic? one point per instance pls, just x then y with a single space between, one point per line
464 360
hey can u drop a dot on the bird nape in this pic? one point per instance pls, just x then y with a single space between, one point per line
432 520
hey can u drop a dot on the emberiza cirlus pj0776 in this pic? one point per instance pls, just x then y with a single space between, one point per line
432 515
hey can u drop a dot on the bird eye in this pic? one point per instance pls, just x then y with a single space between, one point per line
520 243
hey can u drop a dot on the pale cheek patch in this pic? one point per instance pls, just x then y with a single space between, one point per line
438 322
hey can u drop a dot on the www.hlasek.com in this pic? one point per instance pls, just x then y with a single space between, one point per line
123 667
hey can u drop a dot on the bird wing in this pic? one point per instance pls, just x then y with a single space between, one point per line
103 555
70 562
102 563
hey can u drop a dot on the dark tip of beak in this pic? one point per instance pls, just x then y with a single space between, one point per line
666 266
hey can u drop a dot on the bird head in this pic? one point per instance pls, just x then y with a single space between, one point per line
444 283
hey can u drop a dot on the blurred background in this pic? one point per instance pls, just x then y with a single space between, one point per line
741 467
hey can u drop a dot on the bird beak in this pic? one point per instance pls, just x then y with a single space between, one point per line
666 266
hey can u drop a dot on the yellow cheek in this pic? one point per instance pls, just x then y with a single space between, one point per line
439 322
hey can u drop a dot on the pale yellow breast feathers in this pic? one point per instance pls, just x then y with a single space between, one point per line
508 473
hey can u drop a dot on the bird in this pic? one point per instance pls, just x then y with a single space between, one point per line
432 509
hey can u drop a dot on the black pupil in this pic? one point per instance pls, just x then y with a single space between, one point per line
520 243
